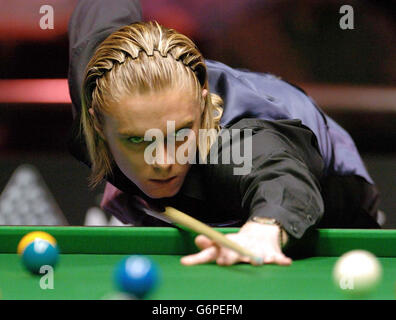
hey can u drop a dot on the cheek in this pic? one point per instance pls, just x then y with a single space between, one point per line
132 164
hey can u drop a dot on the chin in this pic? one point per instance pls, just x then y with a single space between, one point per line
158 194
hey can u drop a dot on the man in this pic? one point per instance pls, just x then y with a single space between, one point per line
349 193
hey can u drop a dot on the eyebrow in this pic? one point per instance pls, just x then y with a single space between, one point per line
128 133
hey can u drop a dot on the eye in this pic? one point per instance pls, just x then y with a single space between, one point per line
136 140
181 132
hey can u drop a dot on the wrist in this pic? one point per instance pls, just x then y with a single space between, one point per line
274 225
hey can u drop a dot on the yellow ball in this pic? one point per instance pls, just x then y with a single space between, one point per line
28 238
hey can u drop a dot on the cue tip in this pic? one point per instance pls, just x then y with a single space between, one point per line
258 260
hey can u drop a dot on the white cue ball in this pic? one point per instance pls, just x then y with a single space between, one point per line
357 272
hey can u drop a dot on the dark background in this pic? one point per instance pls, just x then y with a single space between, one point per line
300 41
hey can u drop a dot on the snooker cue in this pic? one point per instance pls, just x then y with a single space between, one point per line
185 220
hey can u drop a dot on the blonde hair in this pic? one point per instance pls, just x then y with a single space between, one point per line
141 58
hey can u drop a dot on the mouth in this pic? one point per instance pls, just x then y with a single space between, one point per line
163 181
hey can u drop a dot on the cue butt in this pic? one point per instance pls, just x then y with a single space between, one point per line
185 220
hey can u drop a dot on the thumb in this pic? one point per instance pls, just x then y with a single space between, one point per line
203 242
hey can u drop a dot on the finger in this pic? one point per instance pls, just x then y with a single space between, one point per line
227 257
283 260
245 259
277 258
203 242
205 256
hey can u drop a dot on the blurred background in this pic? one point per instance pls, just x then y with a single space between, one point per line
351 74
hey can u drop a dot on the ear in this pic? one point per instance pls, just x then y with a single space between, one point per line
98 130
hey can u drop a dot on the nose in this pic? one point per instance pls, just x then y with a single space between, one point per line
163 162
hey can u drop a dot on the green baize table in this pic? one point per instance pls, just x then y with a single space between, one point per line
89 256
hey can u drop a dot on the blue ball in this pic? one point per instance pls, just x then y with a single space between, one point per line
38 253
136 275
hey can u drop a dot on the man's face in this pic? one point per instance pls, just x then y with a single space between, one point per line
125 127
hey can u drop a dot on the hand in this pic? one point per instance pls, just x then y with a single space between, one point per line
263 240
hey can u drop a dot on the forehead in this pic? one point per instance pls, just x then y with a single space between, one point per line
138 113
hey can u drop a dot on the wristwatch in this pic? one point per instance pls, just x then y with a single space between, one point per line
271 221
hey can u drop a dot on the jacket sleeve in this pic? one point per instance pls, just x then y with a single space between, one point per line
284 180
